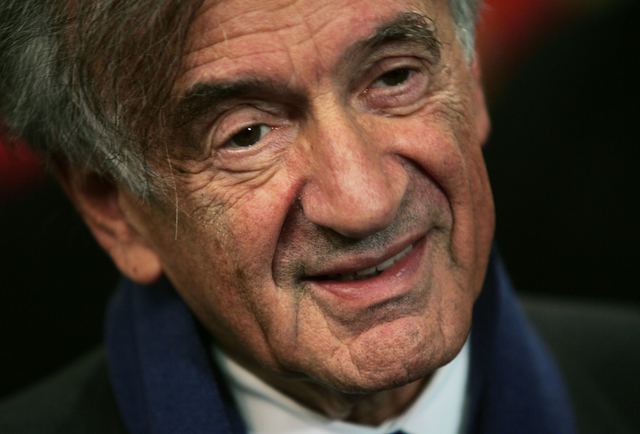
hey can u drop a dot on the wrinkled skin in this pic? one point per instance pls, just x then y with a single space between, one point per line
353 157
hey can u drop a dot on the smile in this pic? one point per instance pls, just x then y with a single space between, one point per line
371 271
354 288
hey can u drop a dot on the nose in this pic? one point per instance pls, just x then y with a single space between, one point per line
356 184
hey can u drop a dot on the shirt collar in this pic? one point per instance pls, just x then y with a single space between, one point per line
439 408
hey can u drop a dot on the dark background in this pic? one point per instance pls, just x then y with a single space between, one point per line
563 159
564 162
55 285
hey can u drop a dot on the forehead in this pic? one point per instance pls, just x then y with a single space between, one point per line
234 38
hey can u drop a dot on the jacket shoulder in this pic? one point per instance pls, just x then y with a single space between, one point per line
77 400
597 347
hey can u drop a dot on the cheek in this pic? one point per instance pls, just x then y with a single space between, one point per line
434 146
229 232
255 222
219 283
443 143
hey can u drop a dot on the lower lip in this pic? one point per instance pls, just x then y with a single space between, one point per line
396 281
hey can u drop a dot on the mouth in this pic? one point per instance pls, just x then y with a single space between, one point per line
366 273
361 283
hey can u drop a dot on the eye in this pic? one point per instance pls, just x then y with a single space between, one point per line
395 86
248 136
393 78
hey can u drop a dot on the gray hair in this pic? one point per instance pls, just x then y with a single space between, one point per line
65 68
465 14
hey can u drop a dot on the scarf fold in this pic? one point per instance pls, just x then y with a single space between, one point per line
165 382
160 368
516 386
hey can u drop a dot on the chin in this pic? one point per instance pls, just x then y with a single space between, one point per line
394 355
385 379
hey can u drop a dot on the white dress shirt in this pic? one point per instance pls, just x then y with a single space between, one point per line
440 408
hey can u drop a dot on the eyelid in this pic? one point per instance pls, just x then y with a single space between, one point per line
394 100
228 144
410 71
391 64
232 122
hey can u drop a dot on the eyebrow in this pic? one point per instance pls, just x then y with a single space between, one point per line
205 96
409 27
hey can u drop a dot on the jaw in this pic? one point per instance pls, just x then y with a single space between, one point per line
340 376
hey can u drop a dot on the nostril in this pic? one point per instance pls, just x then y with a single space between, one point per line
357 197
354 217
354 180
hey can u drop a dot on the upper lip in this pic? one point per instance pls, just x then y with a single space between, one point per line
348 263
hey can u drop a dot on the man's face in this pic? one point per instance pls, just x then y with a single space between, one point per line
335 214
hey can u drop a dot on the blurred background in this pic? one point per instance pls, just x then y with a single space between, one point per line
562 86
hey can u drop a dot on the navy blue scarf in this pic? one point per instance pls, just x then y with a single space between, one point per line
165 382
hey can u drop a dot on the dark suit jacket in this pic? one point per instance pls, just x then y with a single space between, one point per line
598 349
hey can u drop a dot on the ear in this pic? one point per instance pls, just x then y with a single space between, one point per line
483 123
98 199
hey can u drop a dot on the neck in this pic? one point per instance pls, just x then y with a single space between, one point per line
367 409
371 409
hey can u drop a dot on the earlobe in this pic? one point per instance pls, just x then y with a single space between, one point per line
97 198
483 123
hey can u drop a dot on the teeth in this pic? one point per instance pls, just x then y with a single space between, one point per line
389 262
372 271
366 271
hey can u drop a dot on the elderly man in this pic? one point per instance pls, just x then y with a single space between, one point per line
295 193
